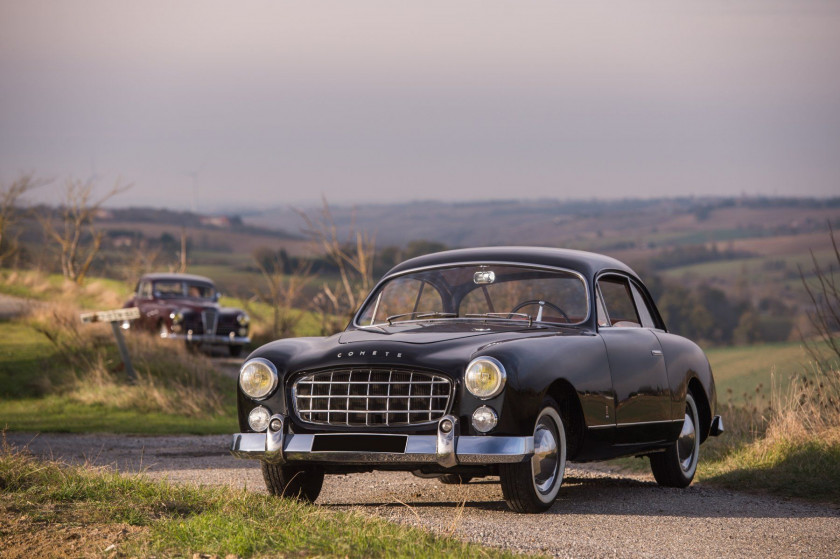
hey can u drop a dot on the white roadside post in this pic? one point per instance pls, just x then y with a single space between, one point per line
116 317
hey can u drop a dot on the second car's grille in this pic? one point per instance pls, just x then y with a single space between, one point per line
371 397
208 320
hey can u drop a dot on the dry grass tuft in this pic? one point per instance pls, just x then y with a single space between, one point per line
170 379
810 407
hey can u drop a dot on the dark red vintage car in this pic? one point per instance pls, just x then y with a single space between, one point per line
186 307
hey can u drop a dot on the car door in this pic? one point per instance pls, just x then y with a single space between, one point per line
637 365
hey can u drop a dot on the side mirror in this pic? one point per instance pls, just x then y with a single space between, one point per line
217 296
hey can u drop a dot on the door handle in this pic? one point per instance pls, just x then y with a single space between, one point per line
656 352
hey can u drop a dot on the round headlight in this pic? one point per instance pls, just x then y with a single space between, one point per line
176 316
485 377
484 419
242 319
258 378
258 419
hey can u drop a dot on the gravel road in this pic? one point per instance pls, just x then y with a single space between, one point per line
599 513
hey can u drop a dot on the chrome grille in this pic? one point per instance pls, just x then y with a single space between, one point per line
209 318
371 397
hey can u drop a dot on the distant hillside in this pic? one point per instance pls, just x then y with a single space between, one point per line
597 225
737 244
192 220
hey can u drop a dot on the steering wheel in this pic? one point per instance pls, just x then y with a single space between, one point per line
541 304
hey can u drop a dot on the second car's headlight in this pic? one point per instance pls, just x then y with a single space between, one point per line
242 319
485 377
258 378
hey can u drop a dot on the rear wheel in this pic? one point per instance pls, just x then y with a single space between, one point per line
532 486
293 483
676 466
454 479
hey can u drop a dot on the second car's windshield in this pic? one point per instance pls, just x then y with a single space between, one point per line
479 291
172 289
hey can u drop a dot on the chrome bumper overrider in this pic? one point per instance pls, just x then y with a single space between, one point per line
446 448
717 426
209 339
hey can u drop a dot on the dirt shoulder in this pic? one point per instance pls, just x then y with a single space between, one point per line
598 514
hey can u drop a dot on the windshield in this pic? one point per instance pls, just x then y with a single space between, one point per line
479 291
171 289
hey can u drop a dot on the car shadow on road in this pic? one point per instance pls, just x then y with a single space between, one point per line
621 496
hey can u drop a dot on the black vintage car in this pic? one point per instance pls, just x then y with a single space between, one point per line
186 307
482 362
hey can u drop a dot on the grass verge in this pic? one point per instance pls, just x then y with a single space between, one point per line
47 508
59 375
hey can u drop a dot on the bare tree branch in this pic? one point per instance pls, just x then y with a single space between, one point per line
353 259
77 215
10 213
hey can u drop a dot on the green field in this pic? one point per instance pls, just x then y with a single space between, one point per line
740 370
36 387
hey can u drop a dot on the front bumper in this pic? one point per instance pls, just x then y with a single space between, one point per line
209 339
446 448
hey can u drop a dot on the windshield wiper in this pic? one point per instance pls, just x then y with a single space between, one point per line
502 316
421 315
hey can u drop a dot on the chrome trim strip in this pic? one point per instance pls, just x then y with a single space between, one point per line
480 263
419 449
635 424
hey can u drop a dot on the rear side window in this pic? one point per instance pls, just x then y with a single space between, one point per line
617 297
642 307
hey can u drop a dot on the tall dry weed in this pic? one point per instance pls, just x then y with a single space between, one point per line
809 406
170 379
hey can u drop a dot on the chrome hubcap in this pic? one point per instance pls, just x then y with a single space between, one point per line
687 443
545 461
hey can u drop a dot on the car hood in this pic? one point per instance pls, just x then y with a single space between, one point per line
432 332
436 345
191 304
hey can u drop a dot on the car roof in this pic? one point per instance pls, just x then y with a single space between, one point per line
589 264
176 277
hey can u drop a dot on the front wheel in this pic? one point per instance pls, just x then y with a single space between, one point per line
676 466
532 486
293 483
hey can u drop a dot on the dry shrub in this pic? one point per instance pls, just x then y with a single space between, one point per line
105 296
809 407
170 379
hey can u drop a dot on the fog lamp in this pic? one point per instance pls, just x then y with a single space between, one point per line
258 418
258 378
484 419
485 377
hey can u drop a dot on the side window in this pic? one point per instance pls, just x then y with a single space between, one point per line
618 300
603 319
145 290
642 307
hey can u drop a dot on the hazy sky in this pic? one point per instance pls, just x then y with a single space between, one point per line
252 103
